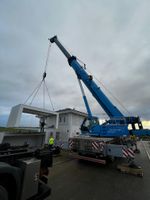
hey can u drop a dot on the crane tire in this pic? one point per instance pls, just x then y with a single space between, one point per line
3 193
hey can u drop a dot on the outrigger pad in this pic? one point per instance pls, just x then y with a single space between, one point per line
131 169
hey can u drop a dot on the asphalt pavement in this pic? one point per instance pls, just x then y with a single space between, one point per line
71 179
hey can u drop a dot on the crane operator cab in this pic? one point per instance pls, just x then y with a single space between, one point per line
110 128
88 123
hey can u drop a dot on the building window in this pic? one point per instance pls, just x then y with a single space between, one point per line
57 135
64 119
59 119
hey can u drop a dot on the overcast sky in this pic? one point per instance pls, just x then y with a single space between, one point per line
111 36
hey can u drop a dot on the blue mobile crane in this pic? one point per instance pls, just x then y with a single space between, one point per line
110 138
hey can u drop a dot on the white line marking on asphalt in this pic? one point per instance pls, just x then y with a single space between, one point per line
146 150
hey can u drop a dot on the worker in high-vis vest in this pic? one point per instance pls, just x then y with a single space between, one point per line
134 142
51 141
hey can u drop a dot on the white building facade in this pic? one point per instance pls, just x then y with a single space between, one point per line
69 124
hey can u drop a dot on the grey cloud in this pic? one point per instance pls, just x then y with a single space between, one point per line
112 37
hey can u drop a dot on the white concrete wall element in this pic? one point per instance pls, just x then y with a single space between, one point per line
16 112
15 116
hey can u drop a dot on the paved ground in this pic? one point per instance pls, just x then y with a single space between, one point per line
74 180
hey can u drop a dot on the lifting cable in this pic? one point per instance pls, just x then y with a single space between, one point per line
84 65
49 96
47 57
36 90
116 98
100 82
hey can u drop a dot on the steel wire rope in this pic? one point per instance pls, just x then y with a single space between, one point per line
36 92
45 73
49 96
47 57
120 103
116 98
44 76
32 93
84 66
44 94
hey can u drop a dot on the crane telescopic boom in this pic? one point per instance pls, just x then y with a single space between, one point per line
105 103
117 125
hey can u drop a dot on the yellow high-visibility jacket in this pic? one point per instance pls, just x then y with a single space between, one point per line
51 140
